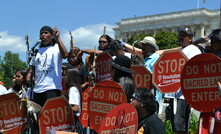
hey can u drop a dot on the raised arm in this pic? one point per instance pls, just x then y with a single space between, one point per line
62 48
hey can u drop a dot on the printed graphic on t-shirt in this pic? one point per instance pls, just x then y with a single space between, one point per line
43 65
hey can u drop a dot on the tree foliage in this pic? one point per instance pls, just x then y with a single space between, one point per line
9 64
164 39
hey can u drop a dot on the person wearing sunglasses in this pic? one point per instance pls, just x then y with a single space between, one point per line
104 46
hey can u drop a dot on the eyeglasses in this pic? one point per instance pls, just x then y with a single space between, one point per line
100 41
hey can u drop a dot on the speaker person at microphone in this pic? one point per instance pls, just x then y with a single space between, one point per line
47 65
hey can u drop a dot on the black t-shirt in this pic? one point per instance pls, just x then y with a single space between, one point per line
151 124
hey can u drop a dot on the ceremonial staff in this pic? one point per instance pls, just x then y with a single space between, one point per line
104 30
71 41
27 51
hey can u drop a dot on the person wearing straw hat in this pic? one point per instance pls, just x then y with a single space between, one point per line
149 48
121 74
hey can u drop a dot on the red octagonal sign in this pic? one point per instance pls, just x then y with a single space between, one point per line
122 119
103 68
167 71
56 115
199 82
142 77
103 98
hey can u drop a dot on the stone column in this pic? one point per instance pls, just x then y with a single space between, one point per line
202 30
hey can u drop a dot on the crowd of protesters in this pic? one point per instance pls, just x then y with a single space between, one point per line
50 78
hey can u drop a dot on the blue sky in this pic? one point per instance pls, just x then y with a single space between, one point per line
84 18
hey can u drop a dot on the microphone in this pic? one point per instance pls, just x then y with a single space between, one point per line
39 41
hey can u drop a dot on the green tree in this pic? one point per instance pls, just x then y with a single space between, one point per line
137 38
8 65
164 39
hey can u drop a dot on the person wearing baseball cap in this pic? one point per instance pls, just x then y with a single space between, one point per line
206 117
180 114
145 104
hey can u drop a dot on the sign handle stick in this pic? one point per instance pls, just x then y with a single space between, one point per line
200 125
212 125
174 105
219 87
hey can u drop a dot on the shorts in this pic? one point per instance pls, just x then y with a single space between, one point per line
180 121
41 98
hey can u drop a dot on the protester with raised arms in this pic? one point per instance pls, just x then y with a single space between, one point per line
47 65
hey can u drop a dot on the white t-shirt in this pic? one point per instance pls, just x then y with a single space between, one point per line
125 54
3 90
75 99
48 63
190 51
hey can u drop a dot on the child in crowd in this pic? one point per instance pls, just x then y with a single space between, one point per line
72 80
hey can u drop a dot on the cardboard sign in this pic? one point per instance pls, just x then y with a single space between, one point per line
142 77
13 114
103 68
167 71
199 82
84 112
122 119
103 98
56 115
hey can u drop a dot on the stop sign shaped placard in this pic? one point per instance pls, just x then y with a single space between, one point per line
13 114
122 119
199 82
84 111
142 77
167 71
103 67
56 115
103 98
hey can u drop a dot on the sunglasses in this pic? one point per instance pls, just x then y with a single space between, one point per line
100 41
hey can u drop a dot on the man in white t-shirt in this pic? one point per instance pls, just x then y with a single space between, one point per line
180 111
47 65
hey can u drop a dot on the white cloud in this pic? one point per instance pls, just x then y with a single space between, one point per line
11 43
87 37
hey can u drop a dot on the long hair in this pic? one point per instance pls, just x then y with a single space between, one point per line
119 74
75 51
16 87
126 82
108 38
74 79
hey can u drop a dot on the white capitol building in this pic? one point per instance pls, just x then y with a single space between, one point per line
201 21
